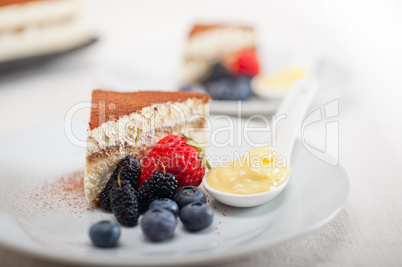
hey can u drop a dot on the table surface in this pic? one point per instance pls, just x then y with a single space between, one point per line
362 37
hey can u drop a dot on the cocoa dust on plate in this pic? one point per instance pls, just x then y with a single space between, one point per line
64 194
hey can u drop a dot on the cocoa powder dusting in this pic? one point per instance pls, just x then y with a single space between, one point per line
63 194
198 28
14 2
43 197
111 105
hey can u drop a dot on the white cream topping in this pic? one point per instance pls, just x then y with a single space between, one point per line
171 114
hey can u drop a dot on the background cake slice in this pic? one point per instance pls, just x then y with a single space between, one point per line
207 44
115 118
36 27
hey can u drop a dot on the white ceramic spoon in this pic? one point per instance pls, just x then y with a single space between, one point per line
294 107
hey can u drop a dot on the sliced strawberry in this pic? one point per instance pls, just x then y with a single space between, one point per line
181 157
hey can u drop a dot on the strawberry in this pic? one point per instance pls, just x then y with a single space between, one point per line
181 157
243 63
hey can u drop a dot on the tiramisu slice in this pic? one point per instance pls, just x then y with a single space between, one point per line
36 27
116 117
207 44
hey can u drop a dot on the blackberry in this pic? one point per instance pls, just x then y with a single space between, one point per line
241 89
219 89
216 72
104 201
130 174
159 185
124 205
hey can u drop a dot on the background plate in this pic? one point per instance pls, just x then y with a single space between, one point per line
246 108
15 64
38 216
130 70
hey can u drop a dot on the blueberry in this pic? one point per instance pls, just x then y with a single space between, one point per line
196 216
233 89
188 194
105 234
158 224
217 71
193 88
220 89
165 203
241 89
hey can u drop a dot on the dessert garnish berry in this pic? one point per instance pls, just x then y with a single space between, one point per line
165 203
130 174
243 63
181 156
241 89
188 194
196 216
193 88
105 234
235 89
159 185
217 72
158 224
123 200
220 89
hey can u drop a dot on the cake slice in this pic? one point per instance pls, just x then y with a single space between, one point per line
116 117
36 27
207 44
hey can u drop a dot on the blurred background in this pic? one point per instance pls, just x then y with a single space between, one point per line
141 46
354 46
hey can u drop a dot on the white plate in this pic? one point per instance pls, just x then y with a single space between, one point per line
31 158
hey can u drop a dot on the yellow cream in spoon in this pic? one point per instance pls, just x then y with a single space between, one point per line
259 170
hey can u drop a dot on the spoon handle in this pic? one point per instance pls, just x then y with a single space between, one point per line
293 110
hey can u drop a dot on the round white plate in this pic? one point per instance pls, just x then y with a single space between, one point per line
37 221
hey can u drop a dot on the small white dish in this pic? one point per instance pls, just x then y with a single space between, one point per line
281 71
243 201
294 106
264 86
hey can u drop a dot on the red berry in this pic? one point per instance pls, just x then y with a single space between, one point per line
179 158
244 63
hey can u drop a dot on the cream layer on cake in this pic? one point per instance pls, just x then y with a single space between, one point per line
41 27
115 139
211 44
